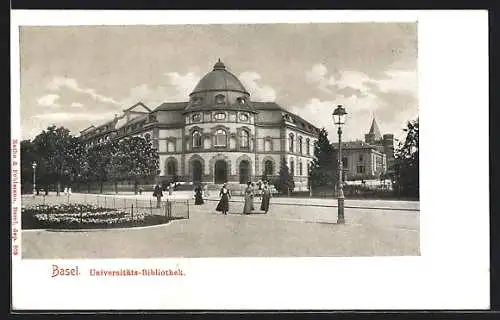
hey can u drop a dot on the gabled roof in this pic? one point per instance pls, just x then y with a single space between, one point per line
88 128
354 145
267 106
138 104
171 106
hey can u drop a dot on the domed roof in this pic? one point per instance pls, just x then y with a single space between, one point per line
219 79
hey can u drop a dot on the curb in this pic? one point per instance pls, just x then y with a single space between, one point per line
102 229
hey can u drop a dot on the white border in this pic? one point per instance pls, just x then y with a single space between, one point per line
453 271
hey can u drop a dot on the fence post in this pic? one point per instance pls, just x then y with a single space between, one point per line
125 204
97 200
136 205
132 211
187 202
165 220
104 201
43 199
150 207
114 203
81 217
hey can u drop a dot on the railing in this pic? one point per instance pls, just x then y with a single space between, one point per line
171 209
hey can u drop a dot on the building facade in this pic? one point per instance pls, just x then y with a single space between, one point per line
219 135
369 159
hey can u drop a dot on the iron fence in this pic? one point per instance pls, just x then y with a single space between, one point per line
171 209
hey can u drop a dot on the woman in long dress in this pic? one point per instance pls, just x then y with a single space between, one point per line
198 197
223 204
266 195
248 207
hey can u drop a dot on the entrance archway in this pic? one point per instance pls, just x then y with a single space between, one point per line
244 171
197 170
220 171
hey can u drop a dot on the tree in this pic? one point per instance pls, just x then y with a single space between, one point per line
51 145
284 182
99 158
406 163
322 171
135 159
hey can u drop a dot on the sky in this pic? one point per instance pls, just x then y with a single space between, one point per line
82 75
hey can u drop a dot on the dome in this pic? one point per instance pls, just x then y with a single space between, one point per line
219 79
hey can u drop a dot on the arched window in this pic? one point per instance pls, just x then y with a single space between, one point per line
196 139
244 139
171 168
268 168
300 144
219 99
308 147
300 168
292 167
291 141
220 138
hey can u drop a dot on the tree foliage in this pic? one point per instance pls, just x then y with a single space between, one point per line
284 182
51 146
406 164
322 171
63 158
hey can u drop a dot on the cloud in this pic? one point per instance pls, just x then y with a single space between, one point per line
74 116
257 92
183 85
76 105
317 76
48 100
394 79
63 82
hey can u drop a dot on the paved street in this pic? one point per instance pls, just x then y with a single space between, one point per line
292 227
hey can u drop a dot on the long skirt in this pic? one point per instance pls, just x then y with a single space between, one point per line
248 207
264 206
198 199
223 204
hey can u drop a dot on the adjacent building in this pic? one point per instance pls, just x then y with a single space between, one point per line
218 135
368 159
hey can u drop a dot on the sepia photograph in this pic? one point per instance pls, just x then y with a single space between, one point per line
218 142
243 160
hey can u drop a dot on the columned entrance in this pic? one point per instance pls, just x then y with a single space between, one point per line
197 170
220 172
244 171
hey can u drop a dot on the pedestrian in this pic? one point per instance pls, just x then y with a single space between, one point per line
69 190
205 191
65 191
171 189
198 198
266 195
223 204
158 193
249 193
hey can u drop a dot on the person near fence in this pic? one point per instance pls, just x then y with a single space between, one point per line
158 193
249 194
223 204
198 198
171 189
266 196
205 191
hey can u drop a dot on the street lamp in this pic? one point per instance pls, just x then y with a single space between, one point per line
339 115
34 177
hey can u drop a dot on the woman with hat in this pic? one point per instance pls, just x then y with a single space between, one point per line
223 204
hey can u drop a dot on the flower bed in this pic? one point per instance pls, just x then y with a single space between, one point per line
83 216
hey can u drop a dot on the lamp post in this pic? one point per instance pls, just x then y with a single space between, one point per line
34 177
339 115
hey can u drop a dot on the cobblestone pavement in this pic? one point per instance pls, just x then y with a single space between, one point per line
303 229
